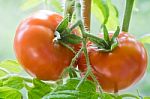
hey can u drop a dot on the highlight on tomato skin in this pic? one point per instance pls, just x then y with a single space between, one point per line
35 49
118 69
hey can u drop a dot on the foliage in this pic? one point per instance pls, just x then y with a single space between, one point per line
11 85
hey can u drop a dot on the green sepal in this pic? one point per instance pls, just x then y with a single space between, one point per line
63 25
115 34
106 34
71 38
105 45
96 40
114 45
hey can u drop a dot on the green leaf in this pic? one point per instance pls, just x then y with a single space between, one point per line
34 94
107 96
14 82
39 90
86 86
73 94
113 20
68 90
59 96
11 65
63 25
3 72
100 10
146 97
1 83
28 4
9 93
71 38
106 13
145 39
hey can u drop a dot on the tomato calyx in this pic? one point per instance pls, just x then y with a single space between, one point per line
105 44
63 33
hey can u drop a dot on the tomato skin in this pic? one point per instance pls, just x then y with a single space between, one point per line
35 49
118 69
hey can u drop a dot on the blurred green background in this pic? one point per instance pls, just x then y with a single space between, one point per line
13 11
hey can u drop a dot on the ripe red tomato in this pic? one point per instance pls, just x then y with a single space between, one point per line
120 68
35 49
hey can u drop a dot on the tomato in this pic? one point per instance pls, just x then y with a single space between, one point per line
120 68
35 49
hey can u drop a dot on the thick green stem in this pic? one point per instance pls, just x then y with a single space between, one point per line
127 15
70 48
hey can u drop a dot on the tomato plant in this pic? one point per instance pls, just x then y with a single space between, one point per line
78 64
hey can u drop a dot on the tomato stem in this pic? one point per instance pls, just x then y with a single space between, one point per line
84 36
127 15
76 56
72 63
84 78
97 83
70 48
